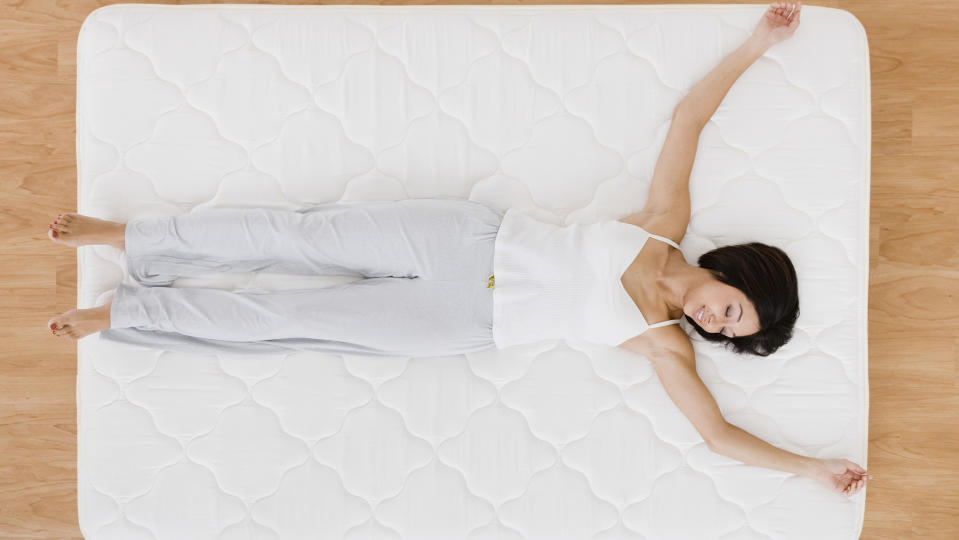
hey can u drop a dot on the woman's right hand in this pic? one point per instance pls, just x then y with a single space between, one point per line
840 475
778 23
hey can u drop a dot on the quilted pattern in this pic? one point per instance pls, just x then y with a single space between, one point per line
560 111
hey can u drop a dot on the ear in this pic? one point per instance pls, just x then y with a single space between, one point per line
716 273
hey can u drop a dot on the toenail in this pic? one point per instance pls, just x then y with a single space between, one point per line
55 234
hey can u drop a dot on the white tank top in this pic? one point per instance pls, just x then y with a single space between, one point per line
563 282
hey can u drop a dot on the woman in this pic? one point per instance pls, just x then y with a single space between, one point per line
745 296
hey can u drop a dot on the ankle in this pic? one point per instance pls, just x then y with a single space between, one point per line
119 236
104 315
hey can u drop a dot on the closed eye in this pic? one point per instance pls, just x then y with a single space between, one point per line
723 331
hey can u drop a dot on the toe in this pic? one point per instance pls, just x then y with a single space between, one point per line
53 235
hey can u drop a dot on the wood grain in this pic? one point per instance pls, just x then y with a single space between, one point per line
914 266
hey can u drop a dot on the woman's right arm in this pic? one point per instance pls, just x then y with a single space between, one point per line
667 208
779 22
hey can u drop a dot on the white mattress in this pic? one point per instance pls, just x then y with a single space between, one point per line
560 111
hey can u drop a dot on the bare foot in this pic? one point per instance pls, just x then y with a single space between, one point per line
77 323
78 230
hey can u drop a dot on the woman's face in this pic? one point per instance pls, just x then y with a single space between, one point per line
722 309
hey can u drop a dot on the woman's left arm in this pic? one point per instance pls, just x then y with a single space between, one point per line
840 475
671 353
778 23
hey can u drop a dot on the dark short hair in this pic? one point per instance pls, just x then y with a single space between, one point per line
768 279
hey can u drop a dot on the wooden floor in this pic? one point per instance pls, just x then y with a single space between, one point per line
914 266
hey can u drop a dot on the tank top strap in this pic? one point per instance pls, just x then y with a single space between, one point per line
664 239
664 323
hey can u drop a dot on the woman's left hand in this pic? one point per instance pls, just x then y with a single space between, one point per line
778 23
840 475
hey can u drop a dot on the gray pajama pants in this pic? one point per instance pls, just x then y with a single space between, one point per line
426 264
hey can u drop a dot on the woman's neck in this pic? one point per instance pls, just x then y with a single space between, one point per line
676 279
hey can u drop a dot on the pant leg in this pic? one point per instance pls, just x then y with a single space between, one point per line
427 237
375 316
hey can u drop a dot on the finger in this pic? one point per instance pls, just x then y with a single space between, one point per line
854 466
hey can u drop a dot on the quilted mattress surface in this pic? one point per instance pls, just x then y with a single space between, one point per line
559 111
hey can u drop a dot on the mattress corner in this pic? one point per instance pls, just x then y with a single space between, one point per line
84 532
852 19
93 15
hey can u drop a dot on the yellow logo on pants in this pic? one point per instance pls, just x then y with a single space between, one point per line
491 283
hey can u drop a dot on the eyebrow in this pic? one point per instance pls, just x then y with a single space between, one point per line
737 320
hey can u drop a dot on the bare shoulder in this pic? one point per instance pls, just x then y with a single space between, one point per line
670 225
654 342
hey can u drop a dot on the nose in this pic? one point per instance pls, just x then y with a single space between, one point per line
717 320
711 321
